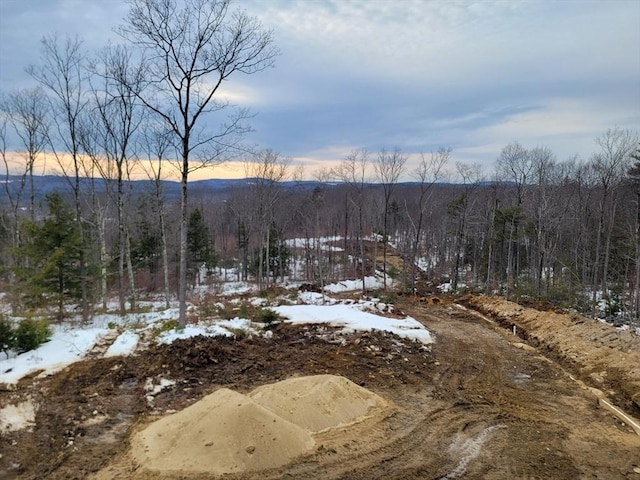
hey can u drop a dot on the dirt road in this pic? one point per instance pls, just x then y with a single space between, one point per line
476 406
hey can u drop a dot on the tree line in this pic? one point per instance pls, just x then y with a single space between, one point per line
535 227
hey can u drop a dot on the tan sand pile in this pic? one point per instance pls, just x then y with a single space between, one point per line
227 432
224 432
319 402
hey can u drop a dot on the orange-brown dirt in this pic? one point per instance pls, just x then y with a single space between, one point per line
475 405
605 357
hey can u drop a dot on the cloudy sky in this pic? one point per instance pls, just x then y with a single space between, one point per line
412 74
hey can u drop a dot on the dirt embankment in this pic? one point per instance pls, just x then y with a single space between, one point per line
599 354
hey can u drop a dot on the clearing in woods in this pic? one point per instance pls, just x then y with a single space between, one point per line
476 404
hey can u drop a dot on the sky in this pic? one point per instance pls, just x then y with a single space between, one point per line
409 74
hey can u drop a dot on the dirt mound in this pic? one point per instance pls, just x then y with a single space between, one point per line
227 432
318 402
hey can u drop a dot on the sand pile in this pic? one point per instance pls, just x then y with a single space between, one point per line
318 403
227 432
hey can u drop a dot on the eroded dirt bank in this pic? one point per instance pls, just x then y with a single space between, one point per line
601 355
473 406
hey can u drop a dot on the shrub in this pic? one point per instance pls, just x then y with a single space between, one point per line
266 316
165 326
30 334
6 335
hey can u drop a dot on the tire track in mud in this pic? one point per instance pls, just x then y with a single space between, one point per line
471 448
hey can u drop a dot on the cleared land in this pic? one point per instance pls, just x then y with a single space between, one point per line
478 403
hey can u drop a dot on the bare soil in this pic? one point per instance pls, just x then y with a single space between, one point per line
476 405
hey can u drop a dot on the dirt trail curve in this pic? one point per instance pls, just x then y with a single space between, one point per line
474 407
603 356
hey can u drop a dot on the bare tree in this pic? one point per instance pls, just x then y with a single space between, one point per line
634 175
157 145
27 111
266 170
62 72
190 51
471 176
115 85
428 172
7 225
610 164
354 171
542 167
514 165
388 167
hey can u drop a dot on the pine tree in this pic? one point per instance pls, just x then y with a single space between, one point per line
52 251
199 248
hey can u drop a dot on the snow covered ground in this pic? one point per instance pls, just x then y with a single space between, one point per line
123 335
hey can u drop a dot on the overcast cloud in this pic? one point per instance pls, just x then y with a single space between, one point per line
413 74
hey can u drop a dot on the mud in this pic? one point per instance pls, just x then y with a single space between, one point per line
474 405
600 355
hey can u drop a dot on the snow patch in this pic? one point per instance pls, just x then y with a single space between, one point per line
66 346
351 319
125 344
17 417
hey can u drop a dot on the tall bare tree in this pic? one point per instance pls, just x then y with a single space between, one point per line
428 172
116 82
514 165
542 166
470 176
266 170
354 172
190 49
388 167
611 165
156 142
634 174
63 73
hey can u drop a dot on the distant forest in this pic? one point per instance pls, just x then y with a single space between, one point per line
536 228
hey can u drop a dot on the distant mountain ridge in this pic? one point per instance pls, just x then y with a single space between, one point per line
45 184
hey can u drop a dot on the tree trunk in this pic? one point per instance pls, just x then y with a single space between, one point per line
182 280
165 261
104 271
130 272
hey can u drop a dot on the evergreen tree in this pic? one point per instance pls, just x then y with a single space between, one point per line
199 248
146 249
51 251
279 254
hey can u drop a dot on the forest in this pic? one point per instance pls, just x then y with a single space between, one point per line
566 231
